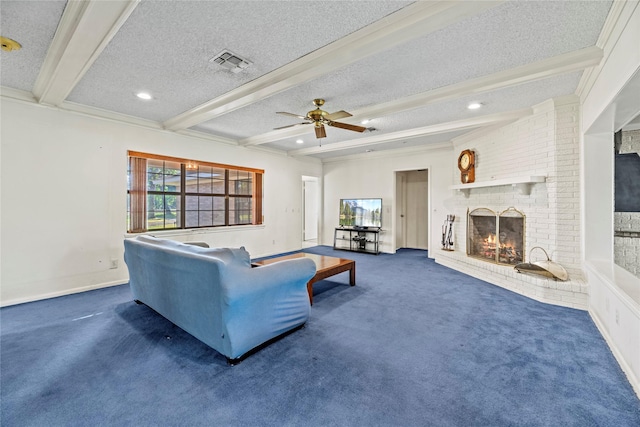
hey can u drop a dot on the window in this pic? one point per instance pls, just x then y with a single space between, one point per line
167 193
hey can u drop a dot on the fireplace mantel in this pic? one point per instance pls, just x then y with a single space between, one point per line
523 183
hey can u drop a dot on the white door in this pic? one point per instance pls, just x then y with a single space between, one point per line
310 208
417 234
401 207
412 210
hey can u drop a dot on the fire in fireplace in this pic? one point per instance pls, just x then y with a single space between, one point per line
496 237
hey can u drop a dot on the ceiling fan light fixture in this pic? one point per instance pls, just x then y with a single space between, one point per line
474 105
319 118
9 45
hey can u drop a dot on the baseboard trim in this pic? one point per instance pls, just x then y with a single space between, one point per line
61 293
635 384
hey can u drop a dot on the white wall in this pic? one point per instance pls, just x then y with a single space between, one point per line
64 198
373 176
610 101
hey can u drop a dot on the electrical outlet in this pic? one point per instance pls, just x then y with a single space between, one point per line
114 263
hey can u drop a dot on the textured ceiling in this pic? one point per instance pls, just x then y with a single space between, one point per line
32 24
508 99
157 52
165 47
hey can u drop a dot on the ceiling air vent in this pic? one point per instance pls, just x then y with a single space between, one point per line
230 61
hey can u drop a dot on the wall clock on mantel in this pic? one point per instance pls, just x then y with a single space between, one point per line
467 166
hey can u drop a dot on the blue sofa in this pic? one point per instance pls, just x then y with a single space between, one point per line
215 295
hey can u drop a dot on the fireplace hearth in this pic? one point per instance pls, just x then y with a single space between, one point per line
495 237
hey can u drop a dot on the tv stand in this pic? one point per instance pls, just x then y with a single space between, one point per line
357 239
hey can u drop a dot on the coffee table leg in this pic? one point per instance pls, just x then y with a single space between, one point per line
310 291
352 275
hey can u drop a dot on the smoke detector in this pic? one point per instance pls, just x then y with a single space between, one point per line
230 61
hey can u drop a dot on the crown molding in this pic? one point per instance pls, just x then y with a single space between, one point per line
16 94
397 152
620 13
469 123
85 29
550 67
553 103
561 101
415 20
107 115
206 136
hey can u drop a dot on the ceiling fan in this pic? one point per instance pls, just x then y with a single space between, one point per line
319 118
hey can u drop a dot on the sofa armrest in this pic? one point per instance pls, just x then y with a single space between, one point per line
260 303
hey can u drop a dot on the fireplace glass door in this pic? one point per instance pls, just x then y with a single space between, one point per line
496 238
511 237
482 234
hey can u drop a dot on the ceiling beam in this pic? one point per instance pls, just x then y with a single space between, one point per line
550 67
413 21
85 29
471 123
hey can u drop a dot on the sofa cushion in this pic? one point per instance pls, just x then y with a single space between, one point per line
236 256
160 242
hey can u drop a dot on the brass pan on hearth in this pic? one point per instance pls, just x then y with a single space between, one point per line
545 268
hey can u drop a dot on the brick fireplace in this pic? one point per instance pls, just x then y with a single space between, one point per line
532 164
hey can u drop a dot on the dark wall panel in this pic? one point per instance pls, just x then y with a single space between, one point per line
627 181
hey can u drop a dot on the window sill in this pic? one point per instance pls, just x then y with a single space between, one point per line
195 231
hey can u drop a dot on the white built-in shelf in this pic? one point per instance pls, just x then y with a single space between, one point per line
523 183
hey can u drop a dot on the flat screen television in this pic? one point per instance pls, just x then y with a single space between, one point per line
361 212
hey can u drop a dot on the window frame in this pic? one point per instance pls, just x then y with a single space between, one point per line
186 165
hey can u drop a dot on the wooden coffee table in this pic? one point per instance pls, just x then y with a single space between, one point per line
326 266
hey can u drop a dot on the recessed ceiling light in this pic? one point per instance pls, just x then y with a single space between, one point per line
144 95
299 141
474 105
365 121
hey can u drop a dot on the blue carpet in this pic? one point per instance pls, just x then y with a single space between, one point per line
413 344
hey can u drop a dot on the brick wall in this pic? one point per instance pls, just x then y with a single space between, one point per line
545 143
630 142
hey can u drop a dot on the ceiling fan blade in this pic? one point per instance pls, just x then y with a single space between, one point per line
347 126
292 115
288 126
320 132
338 115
